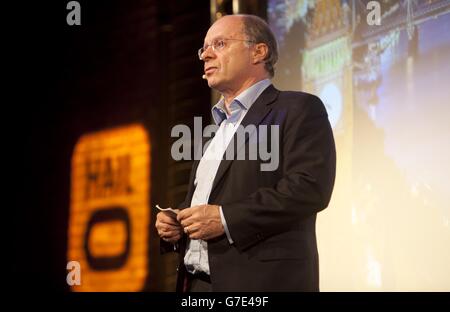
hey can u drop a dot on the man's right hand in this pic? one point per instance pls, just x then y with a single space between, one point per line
169 229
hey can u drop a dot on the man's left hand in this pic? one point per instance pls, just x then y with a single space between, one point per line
201 222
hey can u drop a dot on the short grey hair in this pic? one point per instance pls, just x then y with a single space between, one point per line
257 30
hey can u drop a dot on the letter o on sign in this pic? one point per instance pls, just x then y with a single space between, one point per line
105 216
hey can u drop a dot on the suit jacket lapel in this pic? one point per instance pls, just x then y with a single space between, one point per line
254 116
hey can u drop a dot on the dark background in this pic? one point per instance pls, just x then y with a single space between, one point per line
128 61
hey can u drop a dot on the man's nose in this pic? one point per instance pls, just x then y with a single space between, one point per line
207 53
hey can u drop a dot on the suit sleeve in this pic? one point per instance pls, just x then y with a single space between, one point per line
308 164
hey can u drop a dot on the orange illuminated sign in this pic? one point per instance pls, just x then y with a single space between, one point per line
109 209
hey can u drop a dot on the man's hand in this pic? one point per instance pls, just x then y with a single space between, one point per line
168 227
201 222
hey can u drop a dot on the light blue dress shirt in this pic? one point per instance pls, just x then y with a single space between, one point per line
196 258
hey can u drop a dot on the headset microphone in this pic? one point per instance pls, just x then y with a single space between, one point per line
204 76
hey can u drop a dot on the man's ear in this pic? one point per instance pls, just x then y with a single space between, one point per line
260 52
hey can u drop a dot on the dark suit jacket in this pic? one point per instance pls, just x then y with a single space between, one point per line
271 215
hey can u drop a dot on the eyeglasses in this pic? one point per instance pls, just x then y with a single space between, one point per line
218 45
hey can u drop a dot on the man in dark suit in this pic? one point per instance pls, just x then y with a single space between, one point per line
243 227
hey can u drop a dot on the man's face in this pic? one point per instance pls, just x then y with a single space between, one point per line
227 68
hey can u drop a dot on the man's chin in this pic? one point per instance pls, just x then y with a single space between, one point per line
212 83
216 84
